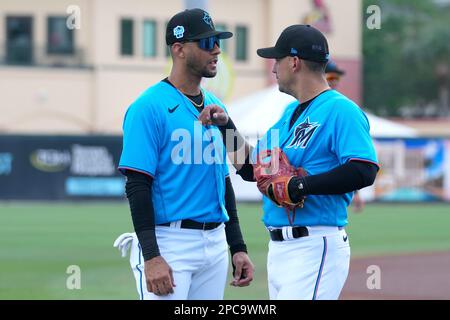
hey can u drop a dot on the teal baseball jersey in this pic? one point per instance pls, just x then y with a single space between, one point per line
163 138
331 131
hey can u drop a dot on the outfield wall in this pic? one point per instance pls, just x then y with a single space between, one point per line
84 167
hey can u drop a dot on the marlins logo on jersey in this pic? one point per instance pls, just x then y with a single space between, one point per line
303 133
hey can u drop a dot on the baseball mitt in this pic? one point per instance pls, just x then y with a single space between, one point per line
273 179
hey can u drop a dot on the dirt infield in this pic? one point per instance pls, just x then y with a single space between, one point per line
412 276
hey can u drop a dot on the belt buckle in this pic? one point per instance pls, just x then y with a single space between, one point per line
275 232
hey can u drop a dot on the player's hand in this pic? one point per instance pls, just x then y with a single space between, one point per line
213 114
243 273
159 277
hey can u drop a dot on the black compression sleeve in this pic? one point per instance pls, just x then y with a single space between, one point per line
232 229
246 171
138 190
231 139
350 176
233 142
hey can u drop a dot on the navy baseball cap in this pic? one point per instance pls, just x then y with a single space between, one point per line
333 68
303 41
192 24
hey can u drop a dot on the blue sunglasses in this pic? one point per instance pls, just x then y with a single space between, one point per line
207 44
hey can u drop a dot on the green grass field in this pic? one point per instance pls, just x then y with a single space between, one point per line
39 241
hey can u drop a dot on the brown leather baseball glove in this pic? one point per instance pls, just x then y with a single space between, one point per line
273 178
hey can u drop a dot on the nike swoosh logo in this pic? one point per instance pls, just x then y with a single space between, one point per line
171 110
345 238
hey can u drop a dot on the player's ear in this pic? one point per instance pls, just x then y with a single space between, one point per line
296 63
177 50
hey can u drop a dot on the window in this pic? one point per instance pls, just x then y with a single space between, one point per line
241 43
149 38
19 40
126 37
59 37
224 42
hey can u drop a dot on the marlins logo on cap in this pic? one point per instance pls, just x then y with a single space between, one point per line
208 20
178 32
192 24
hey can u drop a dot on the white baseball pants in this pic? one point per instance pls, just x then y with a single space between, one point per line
199 260
311 267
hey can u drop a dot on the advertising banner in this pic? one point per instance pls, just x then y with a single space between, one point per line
60 167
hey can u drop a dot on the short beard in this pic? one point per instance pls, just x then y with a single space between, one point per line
204 73
209 74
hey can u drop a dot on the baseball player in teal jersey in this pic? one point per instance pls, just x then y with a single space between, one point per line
320 152
181 199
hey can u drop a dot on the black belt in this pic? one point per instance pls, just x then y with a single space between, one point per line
297 232
191 224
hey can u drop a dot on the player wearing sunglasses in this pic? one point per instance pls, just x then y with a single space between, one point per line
182 204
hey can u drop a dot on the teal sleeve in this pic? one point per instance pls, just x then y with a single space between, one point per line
141 139
351 139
